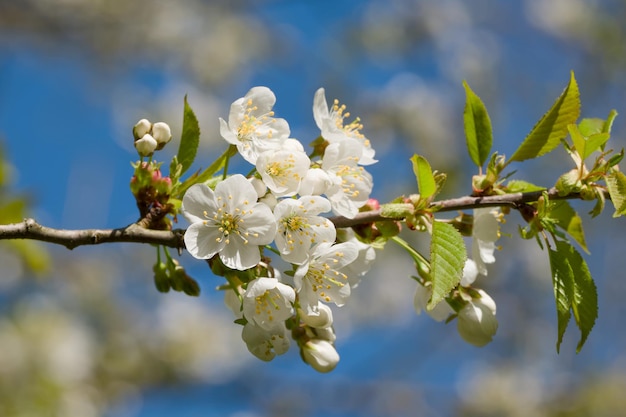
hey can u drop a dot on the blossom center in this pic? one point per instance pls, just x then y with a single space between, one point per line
280 169
352 129
266 305
323 279
249 127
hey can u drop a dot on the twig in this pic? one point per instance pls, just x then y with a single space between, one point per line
30 229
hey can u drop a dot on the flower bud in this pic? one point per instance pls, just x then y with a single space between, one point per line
161 279
315 182
325 333
141 128
320 354
146 145
477 321
161 133
259 186
323 319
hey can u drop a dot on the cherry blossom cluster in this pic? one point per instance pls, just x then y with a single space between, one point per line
281 208
473 308
150 137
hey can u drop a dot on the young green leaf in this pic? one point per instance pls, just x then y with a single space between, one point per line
520 186
478 131
424 175
205 175
616 184
447 258
189 139
552 128
567 219
577 138
608 123
574 290
563 283
591 126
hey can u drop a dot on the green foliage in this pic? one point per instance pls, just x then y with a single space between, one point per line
189 139
520 186
552 127
586 145
616 184
447 258
592 126
207 174
478 131
574 291
424 175
567 219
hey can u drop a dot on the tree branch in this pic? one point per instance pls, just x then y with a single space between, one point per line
30 229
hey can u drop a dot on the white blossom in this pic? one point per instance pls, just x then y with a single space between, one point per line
252 126
300 227
486 232
283 170
331 122
351 184
227 221
266 344
322 319
365 259
315 182
477 323
470 272
267 302
322 276
422 294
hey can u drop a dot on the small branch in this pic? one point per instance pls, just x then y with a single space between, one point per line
461 203
30 229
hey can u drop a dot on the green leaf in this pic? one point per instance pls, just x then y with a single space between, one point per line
586 145
447 258
569 182
574 290
616 184
519 186
563 283
591 126
205 175
478 131
595 142
189 139
577 138
608 123
567 219
424 175
552 128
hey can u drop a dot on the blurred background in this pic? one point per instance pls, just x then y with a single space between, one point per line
85 333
